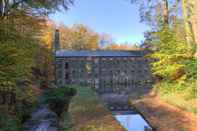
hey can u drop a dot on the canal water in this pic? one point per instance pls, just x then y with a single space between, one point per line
131 120
126 115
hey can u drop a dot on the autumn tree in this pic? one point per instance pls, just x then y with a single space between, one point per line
122 47
78 37
25 53
170 54
43 71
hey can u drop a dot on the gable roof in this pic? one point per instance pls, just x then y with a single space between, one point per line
98 53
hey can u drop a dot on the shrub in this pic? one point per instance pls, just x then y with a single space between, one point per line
58 98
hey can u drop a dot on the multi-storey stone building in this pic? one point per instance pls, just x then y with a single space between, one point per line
105 71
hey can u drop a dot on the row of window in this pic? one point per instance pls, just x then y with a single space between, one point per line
113 82
115 63
107 72
115 75
101 58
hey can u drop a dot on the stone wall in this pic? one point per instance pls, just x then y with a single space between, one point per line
104 74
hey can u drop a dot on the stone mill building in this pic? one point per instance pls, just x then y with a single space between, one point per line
102 70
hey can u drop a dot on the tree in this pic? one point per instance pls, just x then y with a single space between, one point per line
123 46
190 20
188 28
194 19
170 54
33 6
66 37
165 11
79 37
25 54
18 47
43 70
158 13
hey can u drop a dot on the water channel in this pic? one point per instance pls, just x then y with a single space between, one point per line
131 120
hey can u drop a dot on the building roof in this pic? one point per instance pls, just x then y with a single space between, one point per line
98 53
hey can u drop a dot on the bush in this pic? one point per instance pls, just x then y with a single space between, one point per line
191 69
59 98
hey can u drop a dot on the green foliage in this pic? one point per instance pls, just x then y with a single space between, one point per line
191 69
58 94
20 52
58 98
17 57
7 63
18 48
191 89
11 119
168 87
183 96
85 100
66 122
8 122
23 110
33 7
169 55
177 68
172 42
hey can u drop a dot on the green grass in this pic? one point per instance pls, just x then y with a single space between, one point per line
86 113
184 97
85 101
181 102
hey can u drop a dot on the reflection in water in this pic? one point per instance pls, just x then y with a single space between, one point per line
133 122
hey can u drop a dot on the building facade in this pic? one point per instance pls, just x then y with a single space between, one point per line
104 71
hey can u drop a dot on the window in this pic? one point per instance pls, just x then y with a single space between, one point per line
67 76
66 65
88 68
96 61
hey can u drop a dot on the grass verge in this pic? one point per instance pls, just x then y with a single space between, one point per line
86 113
184 97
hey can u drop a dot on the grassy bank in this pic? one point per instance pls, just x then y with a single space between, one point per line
182 96
86 113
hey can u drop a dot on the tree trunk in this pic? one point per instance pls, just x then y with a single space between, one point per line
2 4
4 7
165 12
187 25
193 20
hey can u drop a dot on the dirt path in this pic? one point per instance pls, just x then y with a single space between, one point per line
165 117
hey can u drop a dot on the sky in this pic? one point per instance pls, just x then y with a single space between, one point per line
118 18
